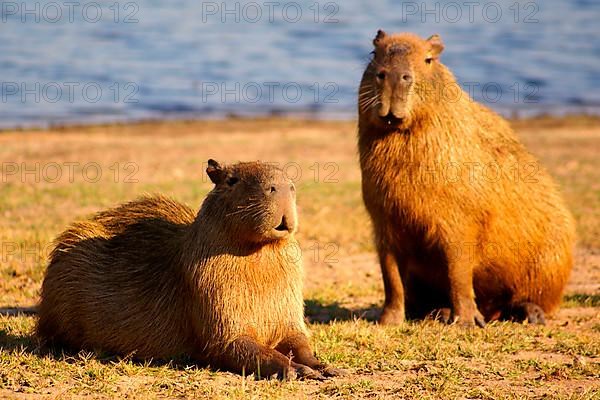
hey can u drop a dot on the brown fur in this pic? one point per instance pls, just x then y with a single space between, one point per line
152 278
448 233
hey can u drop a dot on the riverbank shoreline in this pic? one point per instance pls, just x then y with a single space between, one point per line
540 121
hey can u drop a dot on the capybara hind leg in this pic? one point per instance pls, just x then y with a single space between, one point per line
297 346
246 356
530 312
393 307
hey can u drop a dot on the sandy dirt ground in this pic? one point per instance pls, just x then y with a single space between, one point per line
52 177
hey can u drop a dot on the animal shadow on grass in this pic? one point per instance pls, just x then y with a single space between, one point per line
317 312
29 344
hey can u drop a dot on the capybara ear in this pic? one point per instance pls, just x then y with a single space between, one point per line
380 35
216 172
435 41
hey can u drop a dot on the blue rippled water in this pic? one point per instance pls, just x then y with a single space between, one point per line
102 61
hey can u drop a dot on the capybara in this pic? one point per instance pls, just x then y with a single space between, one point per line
152 279
467 224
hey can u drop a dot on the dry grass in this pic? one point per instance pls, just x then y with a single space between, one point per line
343 288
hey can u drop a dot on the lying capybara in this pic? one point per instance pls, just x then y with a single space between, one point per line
467 223
223 287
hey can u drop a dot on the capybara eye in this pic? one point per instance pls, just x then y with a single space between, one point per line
381 75
232 180
428 60
273 189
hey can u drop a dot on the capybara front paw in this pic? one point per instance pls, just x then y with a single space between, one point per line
288 374
285 374
304 372
329 371
391 316
469 319
466 319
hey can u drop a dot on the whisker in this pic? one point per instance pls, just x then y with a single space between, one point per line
245 208
368 101
369 104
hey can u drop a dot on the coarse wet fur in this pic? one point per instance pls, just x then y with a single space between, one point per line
467 224
152 279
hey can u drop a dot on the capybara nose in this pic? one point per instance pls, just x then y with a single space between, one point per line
392 119
287 221
284 193
284 225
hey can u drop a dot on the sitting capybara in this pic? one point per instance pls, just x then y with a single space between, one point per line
467 224
223 287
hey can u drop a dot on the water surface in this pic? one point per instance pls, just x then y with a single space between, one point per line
193 59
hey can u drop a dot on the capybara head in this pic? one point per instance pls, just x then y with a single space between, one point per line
255 201
403 69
